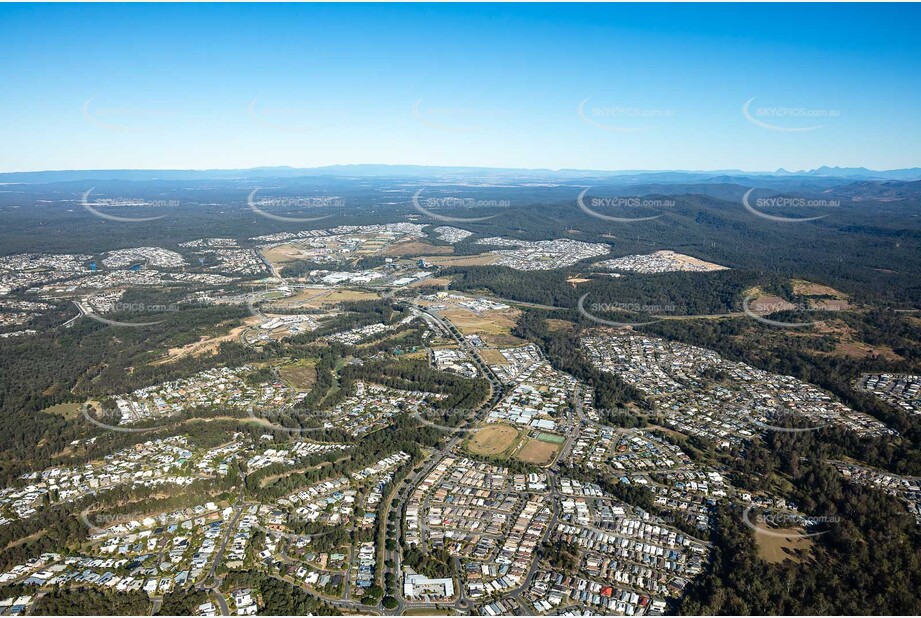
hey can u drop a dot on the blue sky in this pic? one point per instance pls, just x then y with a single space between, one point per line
556 86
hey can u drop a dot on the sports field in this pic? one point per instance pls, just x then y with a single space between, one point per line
538 452
492 440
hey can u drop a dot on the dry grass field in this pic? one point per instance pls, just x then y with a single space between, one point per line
493 357
431 282
538 452
67 410
775 549
490 323
282 253
503 341
493 440
770 304
416 247
482 259
301 376
317 298
558 325
807 288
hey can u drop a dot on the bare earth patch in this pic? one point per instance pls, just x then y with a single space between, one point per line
491 323
416 247
503 341
770 304
206 345
775 549
431 282
807 288
558 325
493 357
829 304
482 259
282 254
317 298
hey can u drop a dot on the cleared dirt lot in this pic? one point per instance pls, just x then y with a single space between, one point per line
489 323
282 253
416 247
482 259
770 304
206 345
493 440
807 288
493 357
431 282
776 549
503 341
829 304
316 298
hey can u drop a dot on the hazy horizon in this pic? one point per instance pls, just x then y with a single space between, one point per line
776 170
600 87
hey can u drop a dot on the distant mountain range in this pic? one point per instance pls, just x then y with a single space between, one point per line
912 173
476 173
